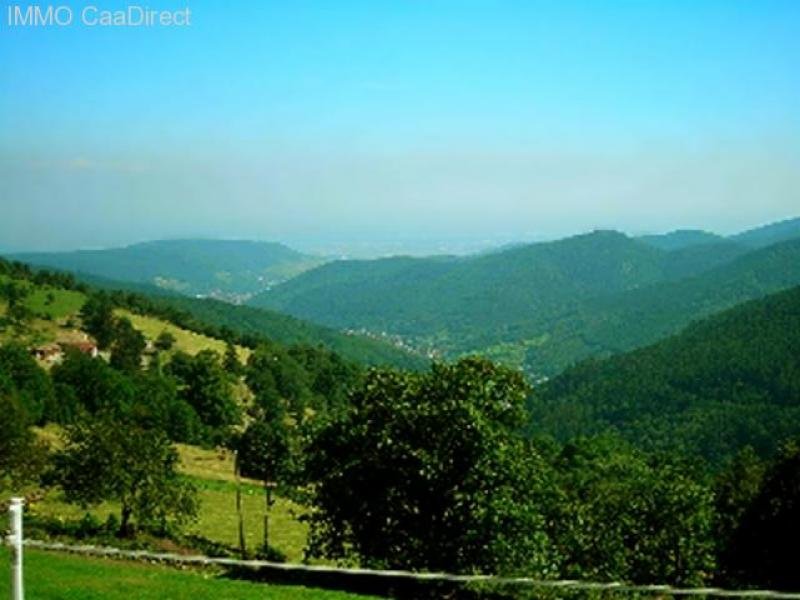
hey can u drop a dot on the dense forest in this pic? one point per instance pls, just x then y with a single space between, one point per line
229 269
728 381
542 306
610 324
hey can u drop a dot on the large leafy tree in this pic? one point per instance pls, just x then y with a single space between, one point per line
279 382
622 515
112 457
207 387
97 314
158 405
427 471
762 549
330 377
84 384
21 456
263 452
127 346
91 384
296 390
735 488
32 386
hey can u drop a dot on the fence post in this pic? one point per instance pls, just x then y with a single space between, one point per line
15 541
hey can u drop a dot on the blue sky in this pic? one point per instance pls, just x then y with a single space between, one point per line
414 119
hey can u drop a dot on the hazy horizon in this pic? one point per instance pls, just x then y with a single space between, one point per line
450 122
358 247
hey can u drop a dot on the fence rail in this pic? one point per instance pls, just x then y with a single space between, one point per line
286 568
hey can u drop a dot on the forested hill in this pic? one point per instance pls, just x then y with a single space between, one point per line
226 268
220 320
757 237
725 382
416 296
681 238
246 321
769 234
610 324
540 306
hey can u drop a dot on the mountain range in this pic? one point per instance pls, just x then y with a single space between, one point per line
540 306
547 305
725 382
226 269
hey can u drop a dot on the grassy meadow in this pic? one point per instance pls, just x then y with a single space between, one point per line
187 341
212 472
54 308
54 302
51 308
53 576
56 316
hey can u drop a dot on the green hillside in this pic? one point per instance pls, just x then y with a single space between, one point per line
45 308
52 307
769 234
394 445
540 306
248 321
606 325
681 238
225 268
172 386
725 382
757 237
454 296
698 258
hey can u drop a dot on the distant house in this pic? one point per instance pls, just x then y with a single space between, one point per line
53 353
49 353
85 346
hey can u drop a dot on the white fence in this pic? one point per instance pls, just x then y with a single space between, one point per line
15 540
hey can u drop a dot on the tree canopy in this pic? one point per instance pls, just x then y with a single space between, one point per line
428 471
137 469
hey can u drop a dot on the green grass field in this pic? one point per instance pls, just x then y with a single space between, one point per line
218 521
187 341
212 472
54 302
52 576
58 304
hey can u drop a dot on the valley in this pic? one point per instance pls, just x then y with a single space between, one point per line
573 375
542 307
